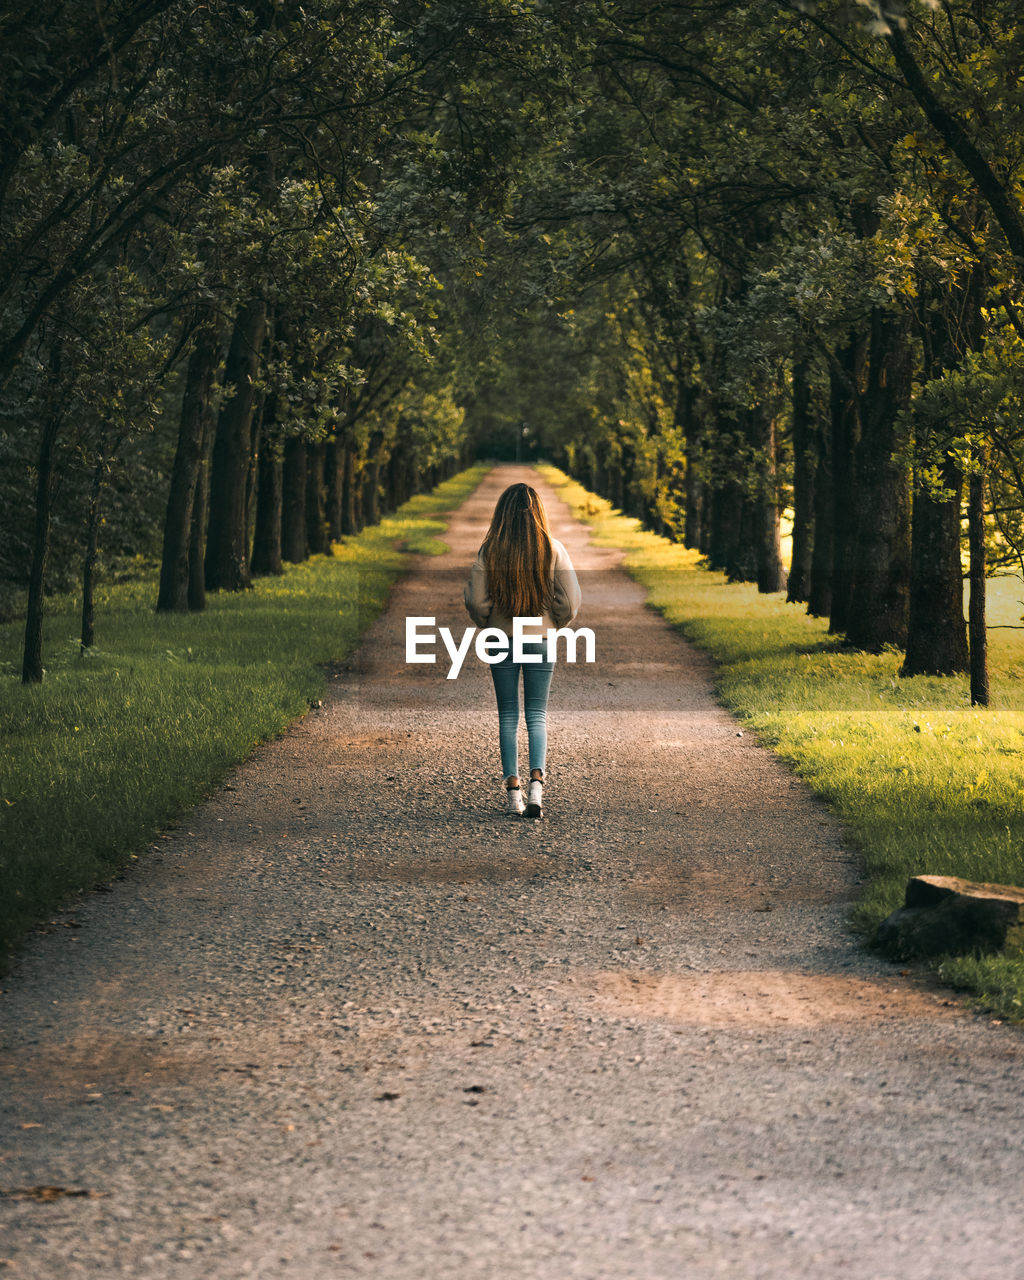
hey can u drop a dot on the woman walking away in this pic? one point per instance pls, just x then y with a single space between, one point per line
522 572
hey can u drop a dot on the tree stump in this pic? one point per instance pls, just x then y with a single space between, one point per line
944 915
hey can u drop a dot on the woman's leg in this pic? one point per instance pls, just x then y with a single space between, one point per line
505 675
536 686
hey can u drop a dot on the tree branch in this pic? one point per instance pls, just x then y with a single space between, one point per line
952 132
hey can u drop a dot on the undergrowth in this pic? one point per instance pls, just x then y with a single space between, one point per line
924 783
115 745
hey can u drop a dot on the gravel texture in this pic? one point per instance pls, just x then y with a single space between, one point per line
350 1019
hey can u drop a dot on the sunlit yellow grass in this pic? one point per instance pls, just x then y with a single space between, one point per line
923 782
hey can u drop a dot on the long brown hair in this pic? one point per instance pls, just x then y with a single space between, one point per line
517 554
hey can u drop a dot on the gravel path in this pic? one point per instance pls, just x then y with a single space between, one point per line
352 1020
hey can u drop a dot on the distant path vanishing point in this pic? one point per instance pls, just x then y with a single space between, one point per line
352 1020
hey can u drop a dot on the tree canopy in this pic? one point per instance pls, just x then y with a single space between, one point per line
267 269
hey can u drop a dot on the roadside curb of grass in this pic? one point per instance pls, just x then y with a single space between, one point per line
920 781
108 753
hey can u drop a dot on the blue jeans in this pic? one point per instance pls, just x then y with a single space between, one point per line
536 684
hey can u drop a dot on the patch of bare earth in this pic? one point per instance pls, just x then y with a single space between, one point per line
759 998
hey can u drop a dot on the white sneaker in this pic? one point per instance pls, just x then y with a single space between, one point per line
514 803
533 800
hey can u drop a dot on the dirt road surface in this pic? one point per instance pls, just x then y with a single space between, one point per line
352 1020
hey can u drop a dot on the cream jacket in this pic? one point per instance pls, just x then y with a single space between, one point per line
565 593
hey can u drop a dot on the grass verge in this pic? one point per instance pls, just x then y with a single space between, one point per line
114 746
924 783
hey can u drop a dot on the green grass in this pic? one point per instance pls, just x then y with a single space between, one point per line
114 746
924 783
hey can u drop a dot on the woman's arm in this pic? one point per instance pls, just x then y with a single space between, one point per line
566 595
476 595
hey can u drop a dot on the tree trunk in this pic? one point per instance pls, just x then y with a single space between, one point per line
371 481
742 565
294 544
880 561
316 521
227 549
349 506
654 519
819 596
976 607
771 575
92 538
32 658
333 464
256 431
602 480
844 425
197 532
409 480
724 524
936 633
394 479
706 521
880 548
630 498
192 427
266 543
358 485
693 504
804 466
692 485
616 481
371 492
